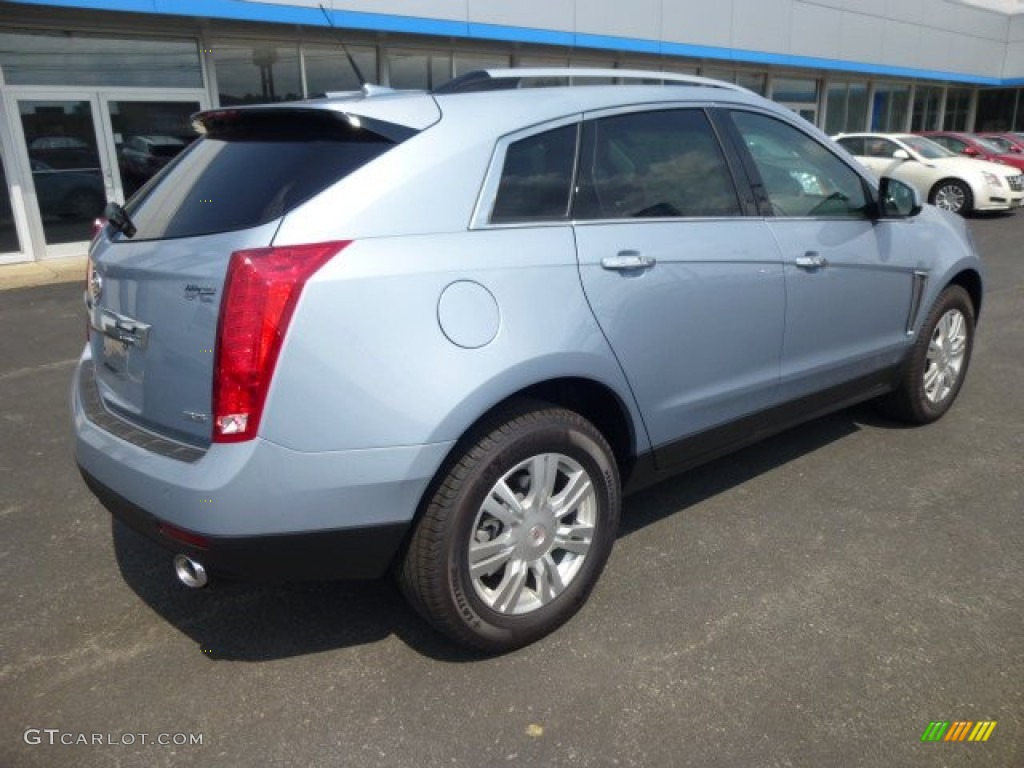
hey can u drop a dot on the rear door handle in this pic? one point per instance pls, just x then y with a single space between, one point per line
811 260
626 260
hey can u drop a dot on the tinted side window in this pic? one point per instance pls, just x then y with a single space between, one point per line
536 180
880 148
249 172
801 177
852 144
953 145
653 164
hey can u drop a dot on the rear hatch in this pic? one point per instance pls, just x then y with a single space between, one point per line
154 298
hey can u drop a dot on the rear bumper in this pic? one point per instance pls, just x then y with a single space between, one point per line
262 511
348 553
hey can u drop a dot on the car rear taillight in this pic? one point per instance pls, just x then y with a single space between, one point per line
261 290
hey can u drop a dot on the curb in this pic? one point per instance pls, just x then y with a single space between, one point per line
42 273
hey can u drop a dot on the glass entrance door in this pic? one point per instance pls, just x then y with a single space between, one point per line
68 167
81 149
10 245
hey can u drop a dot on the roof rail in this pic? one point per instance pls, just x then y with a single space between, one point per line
510 79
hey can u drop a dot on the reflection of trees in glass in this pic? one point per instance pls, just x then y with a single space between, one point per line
328 69
255 73
61 59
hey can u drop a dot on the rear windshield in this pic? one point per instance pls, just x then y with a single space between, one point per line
249 169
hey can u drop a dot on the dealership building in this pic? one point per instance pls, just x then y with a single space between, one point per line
96 95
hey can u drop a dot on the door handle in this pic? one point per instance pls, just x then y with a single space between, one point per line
626 260
811 260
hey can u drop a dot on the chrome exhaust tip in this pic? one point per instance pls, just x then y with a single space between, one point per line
190 573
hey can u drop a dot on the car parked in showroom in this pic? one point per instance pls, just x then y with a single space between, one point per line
440 334
953 182
974 146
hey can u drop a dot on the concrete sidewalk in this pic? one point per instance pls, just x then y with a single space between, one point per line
42 273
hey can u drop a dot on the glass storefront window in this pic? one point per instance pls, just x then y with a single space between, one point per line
57 58
890 107
66 170
792 90
418 70
715 73
799 95
148 135
256 72
958 108
678 68
8 232
847 107
471 62
753 81
541 61
997 109
593 64
925 116
328 68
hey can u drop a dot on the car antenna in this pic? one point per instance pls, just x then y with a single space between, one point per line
351 61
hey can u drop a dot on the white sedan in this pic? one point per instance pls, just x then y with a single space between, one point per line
954 182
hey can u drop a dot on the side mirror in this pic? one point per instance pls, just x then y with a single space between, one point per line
901 154
970 152
897 200
118 217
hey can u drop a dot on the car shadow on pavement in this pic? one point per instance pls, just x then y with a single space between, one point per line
733 470
261 622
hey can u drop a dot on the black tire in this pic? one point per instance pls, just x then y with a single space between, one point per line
911 401
952 195
436 576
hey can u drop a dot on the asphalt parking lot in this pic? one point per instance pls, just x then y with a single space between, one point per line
815 600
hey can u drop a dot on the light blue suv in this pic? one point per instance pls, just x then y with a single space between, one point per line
440 333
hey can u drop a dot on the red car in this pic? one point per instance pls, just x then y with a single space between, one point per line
1008 143
974 146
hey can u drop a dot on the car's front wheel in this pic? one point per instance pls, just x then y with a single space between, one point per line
515 535
938 361
952 195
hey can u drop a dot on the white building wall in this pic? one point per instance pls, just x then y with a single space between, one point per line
938 36
1014 67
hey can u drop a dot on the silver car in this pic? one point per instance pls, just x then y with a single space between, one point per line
441 333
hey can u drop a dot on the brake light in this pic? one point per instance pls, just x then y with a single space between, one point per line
260 293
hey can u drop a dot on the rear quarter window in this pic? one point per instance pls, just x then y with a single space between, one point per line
251 170
536 178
